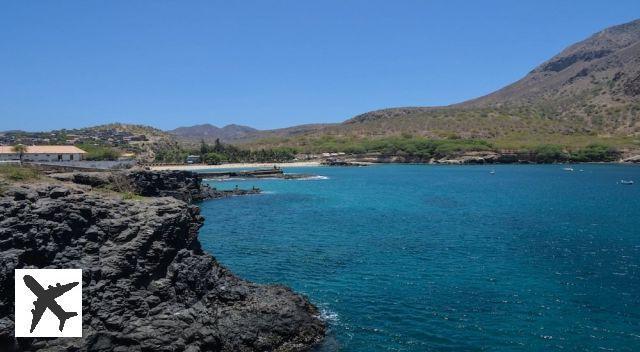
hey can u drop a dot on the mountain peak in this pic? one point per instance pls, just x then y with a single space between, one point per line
592 86
209 132
603 69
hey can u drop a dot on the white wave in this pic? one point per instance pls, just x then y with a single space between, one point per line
328 315
313 178
224 179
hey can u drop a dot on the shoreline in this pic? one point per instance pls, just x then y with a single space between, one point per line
144 211
194 167
199 167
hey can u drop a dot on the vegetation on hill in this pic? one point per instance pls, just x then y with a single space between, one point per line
592 88
410 145
588 93
104 142
549 153
427 148
219 153
99 152
145 143
595 152
132 129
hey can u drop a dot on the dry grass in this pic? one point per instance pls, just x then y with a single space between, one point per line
15 173
528 141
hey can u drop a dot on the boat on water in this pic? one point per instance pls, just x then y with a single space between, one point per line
492 172
568 169
626 182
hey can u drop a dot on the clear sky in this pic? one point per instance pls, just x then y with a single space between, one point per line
270 64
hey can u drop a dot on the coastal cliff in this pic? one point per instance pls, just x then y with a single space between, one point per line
147 284
183 185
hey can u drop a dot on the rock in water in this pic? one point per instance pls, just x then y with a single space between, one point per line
183 185
147 284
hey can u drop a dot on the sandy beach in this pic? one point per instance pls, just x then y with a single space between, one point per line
194 167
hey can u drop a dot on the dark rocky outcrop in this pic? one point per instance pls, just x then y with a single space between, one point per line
562 63
147 284
183 185
341 162
260 173
274 172
478 157
95 179
632 86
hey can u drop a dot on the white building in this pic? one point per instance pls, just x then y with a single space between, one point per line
43 153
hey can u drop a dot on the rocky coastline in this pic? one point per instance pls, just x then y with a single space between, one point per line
341 162
184 185
268 173
147 283
467 158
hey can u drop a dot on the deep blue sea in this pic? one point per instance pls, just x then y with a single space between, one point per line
447 258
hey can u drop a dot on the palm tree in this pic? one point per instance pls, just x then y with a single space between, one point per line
20 149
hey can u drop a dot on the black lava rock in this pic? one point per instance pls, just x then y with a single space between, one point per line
147 284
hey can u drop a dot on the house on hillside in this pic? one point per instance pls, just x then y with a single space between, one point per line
43 153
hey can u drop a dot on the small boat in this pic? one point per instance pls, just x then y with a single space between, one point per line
492 172
568 169
625 182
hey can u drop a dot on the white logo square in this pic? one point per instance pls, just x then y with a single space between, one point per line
48 302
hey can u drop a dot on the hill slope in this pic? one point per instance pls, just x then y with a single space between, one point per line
238 133
589 91
144 141
590 88
602 69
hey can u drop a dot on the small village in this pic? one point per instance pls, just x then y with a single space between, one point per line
113 142
106 136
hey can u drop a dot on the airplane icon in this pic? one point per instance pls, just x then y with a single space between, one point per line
47 299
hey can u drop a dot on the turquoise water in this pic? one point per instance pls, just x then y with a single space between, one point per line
447 258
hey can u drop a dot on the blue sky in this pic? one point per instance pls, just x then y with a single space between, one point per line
270 64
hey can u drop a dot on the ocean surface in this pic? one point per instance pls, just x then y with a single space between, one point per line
447 258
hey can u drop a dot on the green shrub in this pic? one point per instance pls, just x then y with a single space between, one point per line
213 158
18 172
595 152
131 196
98 152
549 153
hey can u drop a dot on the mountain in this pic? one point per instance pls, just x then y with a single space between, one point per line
238 133
208 132
603 69
594 84
589 91
592 88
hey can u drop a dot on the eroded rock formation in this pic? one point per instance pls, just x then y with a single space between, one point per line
183 185
147 284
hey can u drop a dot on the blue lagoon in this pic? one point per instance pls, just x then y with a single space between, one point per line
447 258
